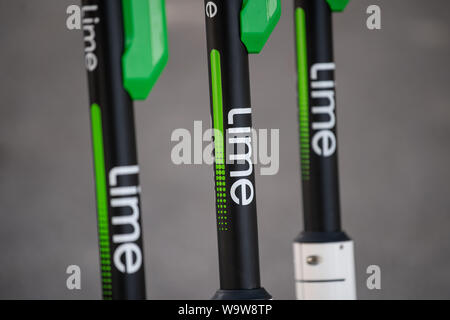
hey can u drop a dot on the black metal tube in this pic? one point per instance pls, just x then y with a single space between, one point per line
115 155
323 254
235 181
317 107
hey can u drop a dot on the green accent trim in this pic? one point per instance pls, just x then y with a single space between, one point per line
258 20
102 196
338 5
146 45
219 138
216 77
303 92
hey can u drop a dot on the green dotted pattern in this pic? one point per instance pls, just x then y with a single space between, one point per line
303 93
223 223
102 201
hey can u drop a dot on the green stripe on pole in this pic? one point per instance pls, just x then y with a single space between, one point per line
303 93
219 142
102 195
216 73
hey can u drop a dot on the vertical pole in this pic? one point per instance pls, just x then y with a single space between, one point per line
323 253
115 156
234 171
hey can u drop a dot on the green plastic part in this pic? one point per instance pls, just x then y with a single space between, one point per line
338 5
258 19
146 45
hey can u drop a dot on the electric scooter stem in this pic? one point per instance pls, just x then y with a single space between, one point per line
234 29
126 50
323 253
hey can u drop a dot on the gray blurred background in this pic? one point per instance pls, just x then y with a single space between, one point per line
393 120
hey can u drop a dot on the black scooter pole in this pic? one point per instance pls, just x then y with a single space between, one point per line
123 60
323 254
234 29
